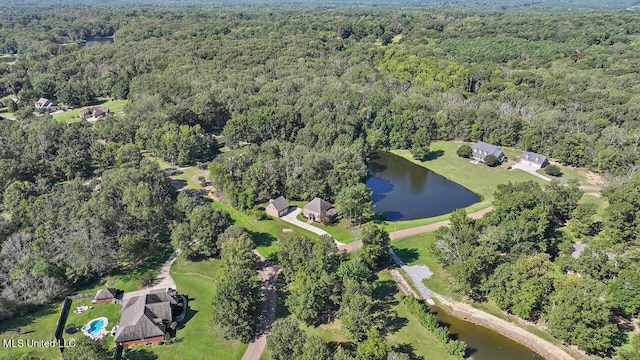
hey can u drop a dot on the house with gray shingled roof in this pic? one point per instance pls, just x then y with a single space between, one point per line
534 159
145 319
481 149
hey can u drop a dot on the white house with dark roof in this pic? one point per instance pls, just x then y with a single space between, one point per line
481 149
277 207
46 104
532 159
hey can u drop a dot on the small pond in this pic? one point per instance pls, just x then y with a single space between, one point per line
483 343
404 191
97 41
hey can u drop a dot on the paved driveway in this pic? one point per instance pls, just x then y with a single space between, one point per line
291 218
530 169
162 281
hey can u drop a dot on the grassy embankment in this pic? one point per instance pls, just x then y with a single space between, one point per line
115 107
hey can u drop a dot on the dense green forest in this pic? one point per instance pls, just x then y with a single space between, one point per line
302 97
500 4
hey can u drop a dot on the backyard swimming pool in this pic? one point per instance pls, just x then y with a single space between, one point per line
95 326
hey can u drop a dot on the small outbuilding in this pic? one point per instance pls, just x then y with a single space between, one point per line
481 149
105 296
319 210
532 159
278 207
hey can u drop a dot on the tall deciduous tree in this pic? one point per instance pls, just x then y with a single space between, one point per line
354 203
375 245
420 145
236 299
522 288
286 340
579 316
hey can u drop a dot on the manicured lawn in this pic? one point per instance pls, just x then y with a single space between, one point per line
339 230
115 107
39 325
110 311
478 178
265 233
198 339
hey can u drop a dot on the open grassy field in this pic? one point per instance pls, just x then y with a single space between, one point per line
584 176
115 107
600 202
198 339
186 175
39 325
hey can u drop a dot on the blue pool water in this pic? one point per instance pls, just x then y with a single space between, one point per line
95 326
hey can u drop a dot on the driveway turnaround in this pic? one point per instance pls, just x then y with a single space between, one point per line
530 169
417 274
291 218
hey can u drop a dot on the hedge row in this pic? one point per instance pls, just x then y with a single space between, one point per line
430 322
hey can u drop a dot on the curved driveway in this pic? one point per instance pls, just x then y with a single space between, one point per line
291 218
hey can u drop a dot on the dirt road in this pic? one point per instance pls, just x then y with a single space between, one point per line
394 235
268 274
